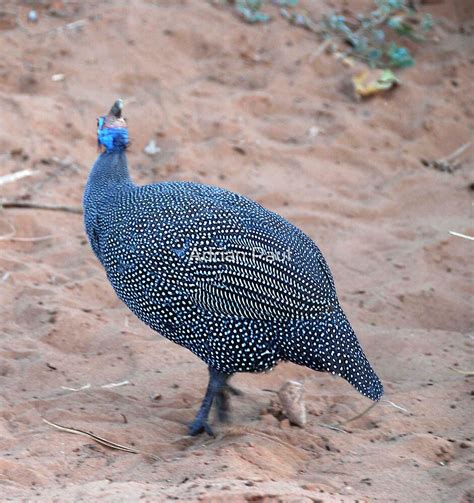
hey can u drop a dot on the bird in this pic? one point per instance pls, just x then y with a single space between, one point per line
217 273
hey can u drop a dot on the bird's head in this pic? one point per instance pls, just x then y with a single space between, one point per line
112 132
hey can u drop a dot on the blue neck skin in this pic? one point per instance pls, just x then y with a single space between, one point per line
111 167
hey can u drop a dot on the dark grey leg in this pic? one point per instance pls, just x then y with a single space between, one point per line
216 383
223 400
223 405
232 390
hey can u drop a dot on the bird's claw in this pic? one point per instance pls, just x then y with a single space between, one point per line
199 426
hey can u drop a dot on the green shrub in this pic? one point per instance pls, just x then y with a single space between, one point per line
371 37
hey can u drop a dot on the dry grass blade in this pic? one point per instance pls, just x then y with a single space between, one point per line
459 235
337 426
11 236
75 25
456 153
332 427
363 413
99 440
396 406
464 372
115 384
450 163
67 388
18 175
321 49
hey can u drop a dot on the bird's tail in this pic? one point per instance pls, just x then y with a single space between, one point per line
329 344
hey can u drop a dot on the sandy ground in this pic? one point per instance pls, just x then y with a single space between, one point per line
254 110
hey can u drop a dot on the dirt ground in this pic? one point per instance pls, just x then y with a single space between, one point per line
257 110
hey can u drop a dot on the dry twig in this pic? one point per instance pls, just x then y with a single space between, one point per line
100 440
36 206
449 163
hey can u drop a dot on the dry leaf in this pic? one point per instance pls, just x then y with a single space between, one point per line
370 82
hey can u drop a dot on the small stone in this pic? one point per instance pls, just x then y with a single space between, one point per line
239 149
152 148
428 125
313 131
291 398
33 16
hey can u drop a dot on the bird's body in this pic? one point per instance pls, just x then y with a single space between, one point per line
217 273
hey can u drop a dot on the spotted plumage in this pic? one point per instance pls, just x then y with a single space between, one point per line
217 273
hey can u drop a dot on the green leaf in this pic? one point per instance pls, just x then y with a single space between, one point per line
399 56
398 24
248 9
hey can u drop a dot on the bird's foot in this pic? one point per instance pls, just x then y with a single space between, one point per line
200 426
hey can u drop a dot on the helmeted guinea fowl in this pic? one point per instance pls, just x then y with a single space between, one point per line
217 273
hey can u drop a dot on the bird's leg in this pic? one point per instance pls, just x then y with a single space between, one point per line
232 390
223 400
216 383
223 404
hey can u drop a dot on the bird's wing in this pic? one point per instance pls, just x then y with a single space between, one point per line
257 279
227 254
249 262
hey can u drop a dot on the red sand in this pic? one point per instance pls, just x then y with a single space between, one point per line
233 105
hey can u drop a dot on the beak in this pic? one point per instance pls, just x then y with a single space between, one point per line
116 109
